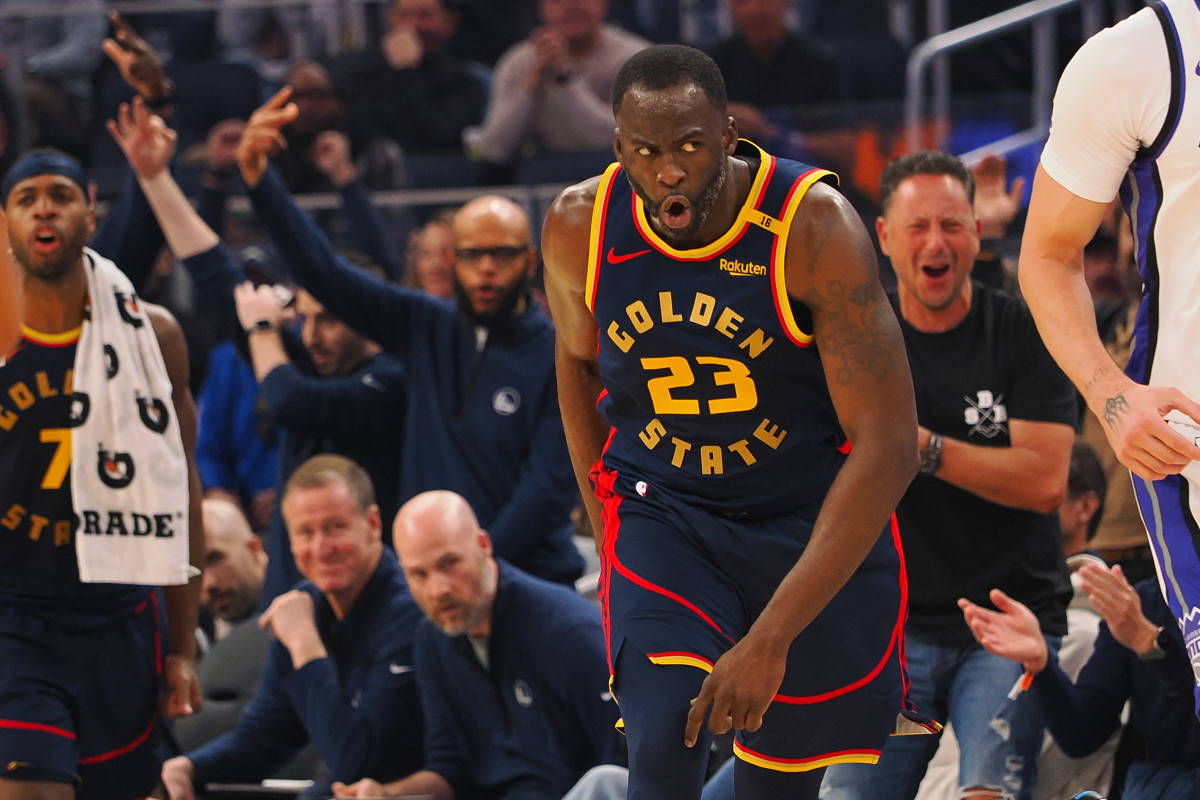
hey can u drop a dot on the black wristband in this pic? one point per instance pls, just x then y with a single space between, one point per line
931 456
1157 647
261 326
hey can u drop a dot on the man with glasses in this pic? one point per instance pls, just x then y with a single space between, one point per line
482 415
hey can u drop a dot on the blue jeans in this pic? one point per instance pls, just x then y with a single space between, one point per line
999 739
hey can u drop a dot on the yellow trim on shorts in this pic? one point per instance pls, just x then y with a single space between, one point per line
805 765
679 659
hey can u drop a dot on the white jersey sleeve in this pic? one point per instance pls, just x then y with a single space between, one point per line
1112 99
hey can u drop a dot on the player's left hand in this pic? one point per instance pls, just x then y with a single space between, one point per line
741 686
183 687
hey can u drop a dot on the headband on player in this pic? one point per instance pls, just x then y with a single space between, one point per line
42 163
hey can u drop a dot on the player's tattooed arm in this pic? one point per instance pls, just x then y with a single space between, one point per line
831 268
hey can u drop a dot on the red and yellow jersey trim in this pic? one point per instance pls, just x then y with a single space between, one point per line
51 339
596 235
783 306
804 764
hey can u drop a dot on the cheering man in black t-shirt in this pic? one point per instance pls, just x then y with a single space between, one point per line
995 429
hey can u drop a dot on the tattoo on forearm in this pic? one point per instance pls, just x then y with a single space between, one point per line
1096 377
1115 409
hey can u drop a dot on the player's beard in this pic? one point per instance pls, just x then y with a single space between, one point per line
702 205
54 268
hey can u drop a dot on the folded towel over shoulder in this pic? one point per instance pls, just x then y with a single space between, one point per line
129 474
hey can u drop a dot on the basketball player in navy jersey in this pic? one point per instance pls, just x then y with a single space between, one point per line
740 417
84 669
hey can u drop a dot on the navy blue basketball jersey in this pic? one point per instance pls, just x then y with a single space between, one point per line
712 380
37 517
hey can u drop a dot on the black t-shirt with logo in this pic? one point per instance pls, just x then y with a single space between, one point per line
970 381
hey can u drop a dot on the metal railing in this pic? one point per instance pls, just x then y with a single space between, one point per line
1041 16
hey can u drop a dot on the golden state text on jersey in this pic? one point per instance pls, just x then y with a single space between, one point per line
712 380
36 413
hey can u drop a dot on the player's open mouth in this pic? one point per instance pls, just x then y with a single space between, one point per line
45 238
675 212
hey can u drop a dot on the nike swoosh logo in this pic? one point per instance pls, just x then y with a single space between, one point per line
399 669
613 258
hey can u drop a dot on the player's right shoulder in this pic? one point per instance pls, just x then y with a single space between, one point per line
567 228
574 205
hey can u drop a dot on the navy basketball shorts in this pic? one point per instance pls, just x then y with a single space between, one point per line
681 585
79 704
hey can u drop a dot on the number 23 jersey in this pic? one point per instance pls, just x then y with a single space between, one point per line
713 383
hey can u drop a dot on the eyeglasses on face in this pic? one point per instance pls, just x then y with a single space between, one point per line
502 254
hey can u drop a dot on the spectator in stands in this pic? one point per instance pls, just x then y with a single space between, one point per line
774 75
238 459
553 91
412 90
236 455
322 110
339 672
332 392
482 412
178 35
1080 511
231 665
489 27
348 403
1060 777
430 262
767 66
270 39
53 57
996 425
234 565
514 711
1139 656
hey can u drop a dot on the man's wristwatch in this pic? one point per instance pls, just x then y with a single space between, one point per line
261 325
1156 650
931 456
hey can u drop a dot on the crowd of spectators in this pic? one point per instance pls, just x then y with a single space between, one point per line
489 82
